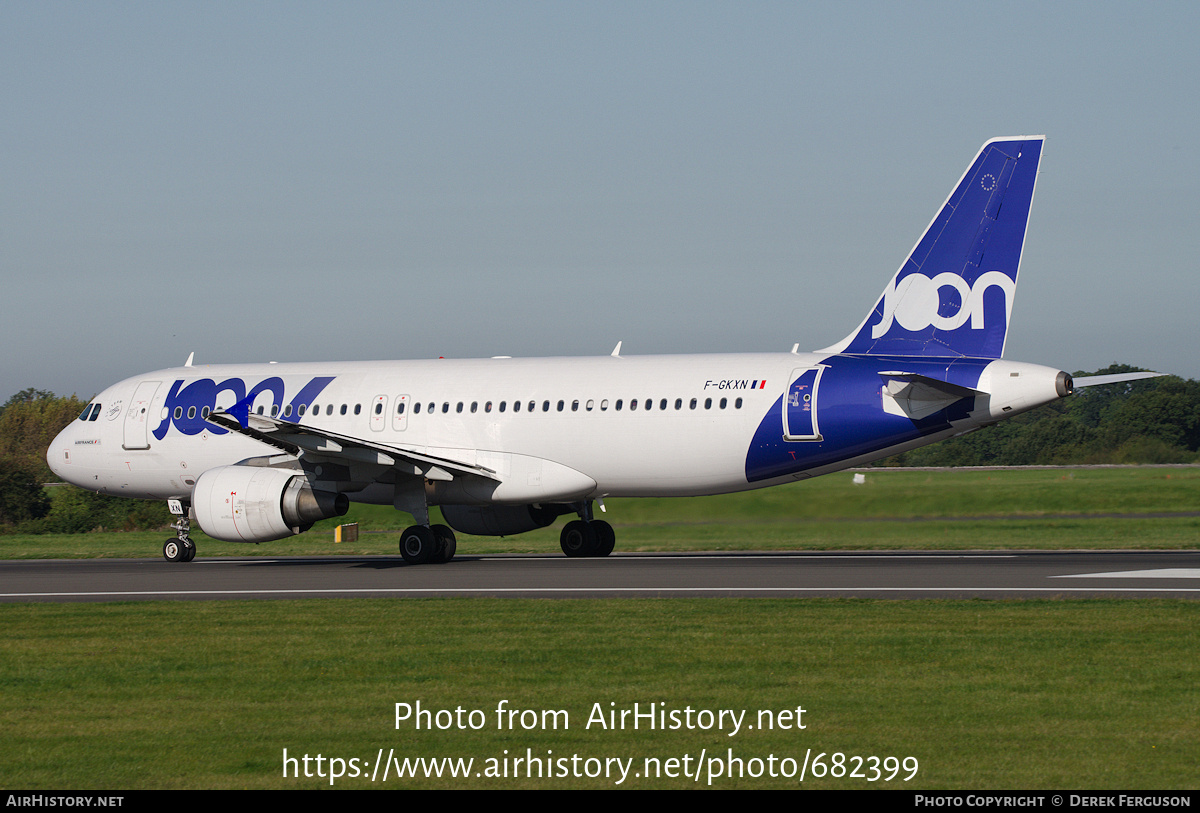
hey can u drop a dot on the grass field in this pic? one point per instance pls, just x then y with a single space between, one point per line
1072 694
981 694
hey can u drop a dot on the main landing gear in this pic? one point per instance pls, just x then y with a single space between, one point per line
587 536
182 548
425 544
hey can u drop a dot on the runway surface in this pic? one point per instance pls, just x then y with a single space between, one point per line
1130 574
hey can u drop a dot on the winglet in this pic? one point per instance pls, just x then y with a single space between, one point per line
240 412
616 353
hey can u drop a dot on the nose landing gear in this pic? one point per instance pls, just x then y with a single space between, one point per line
182 548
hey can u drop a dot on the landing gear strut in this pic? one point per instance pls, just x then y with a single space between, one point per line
181 548
422 544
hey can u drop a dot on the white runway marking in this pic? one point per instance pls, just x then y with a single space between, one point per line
1165 573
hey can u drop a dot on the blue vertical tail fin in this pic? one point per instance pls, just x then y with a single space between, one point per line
954 293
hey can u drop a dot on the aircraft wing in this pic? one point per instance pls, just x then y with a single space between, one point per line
296 439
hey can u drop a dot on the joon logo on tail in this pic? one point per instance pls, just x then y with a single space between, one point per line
916 302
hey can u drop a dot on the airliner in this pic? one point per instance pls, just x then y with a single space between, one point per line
258 452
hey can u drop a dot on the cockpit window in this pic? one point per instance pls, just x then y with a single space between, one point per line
90 412
95 412
83 416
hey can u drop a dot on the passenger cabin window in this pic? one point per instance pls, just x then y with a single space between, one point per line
343 411
358 409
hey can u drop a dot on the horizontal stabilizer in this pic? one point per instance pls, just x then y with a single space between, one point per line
1097 380
916 396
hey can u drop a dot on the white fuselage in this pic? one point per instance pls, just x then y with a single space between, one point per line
550 428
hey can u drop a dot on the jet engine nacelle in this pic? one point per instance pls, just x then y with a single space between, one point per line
501 520
252 504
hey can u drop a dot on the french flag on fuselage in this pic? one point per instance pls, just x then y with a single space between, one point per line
758 385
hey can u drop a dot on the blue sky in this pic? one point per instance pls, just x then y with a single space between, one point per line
293 181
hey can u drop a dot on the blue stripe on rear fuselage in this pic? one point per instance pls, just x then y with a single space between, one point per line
851 416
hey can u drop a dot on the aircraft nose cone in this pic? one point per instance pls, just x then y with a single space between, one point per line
58 455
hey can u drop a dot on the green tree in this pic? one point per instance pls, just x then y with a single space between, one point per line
29 421
22 497
25 396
